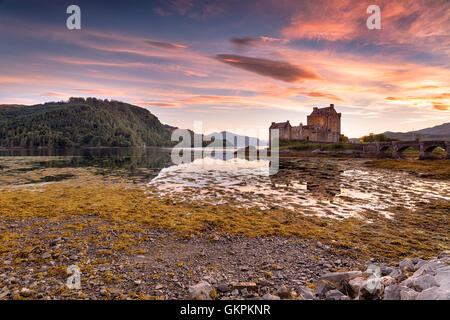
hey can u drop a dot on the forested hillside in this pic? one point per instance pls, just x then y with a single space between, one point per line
80 122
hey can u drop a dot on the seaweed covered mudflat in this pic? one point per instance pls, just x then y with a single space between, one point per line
135 240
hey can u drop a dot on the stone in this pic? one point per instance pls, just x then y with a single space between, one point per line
407 265
387 281
305 293
397 275
421 283
408 294
386 270
334 295
242 285
323 287
4 293
46 255
444 254
200 291
392 292
284 292
373 270
419 264
337 277
434 293
269 296
371 289
223 287
158 286
355 284
442 277
25 292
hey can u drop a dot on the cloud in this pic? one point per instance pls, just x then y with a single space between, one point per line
55 94
441 106
100 92
443 96
158 104
250 41
273 91
278 70
165 45
406 22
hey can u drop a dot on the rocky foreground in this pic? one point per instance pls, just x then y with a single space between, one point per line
210 267
411 279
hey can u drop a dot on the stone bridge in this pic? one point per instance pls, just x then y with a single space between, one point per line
425 148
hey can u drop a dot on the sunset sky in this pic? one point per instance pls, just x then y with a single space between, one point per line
235 65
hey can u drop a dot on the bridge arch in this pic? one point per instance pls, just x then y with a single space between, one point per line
400 146
427 148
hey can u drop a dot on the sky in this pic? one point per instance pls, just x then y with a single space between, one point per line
236 65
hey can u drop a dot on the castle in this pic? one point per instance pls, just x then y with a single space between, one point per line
323 125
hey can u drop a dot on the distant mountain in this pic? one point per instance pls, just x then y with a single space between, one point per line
238 141
440 132
79 122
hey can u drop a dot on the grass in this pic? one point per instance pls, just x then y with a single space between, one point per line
436 169
423 232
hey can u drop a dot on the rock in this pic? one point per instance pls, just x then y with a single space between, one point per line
242 285
25 292
284 292
407 265
355 284
201 291
334 295
223 287
442 277
323 287
371 289
46 255
268 296
397 275
373 270
305 293
337 277
158 286
387 281
392 292
434 293
421 283
4 293
138 282
419 264
408 294
264 282
386 270
444 254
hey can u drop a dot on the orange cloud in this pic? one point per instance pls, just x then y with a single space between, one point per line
420 23
56 95
158 104
441 106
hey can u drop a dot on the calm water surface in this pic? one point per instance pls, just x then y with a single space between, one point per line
320 186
